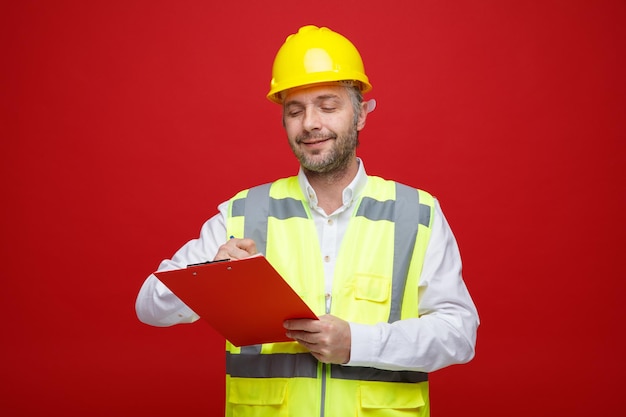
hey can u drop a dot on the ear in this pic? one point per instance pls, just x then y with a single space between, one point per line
360 124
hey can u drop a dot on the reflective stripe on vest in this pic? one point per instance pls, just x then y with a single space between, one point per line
259 208
406 212
304 365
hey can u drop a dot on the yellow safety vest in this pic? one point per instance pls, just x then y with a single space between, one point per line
381 255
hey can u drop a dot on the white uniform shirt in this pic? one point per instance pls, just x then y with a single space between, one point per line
445 333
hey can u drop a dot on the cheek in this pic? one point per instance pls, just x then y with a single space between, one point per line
292 128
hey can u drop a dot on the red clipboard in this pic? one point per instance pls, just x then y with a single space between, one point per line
245 300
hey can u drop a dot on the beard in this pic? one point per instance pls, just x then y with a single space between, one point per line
335 160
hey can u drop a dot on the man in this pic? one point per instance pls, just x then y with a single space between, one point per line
376 260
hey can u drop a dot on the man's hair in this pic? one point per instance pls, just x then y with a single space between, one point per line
356 97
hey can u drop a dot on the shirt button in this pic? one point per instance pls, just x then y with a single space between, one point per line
326 258
330 222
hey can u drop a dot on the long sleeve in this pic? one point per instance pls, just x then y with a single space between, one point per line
156 304
445 332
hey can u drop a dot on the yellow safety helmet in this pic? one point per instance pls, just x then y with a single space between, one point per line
316 55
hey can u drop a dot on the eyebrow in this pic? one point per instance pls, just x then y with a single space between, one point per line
317 99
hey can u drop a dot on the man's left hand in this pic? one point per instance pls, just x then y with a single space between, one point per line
328 339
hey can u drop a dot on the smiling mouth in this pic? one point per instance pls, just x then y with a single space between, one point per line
313 140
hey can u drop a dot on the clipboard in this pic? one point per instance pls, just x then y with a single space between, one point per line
244 300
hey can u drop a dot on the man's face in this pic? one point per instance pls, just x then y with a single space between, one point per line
321 127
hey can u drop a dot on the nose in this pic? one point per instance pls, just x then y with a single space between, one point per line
311 120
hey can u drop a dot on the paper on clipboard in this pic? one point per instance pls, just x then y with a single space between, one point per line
245 300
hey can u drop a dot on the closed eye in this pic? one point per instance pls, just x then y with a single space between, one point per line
294 113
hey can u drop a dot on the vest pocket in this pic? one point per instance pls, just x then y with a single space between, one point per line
372 288
398 400
256 397
371 299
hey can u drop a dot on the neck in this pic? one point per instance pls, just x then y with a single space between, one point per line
329 186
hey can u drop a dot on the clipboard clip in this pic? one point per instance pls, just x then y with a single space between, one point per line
208 262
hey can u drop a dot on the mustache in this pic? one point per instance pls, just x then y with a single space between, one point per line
306 136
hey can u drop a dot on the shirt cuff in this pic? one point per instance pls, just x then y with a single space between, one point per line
363 344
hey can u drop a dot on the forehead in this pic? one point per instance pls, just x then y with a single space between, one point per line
316 93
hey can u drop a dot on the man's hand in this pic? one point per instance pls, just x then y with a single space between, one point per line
328 339
236 249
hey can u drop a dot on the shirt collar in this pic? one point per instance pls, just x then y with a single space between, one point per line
350 194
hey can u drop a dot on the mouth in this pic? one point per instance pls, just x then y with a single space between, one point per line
312 141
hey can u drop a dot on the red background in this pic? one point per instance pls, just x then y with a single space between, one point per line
125 123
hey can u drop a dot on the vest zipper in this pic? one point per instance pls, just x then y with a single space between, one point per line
325 367
324 371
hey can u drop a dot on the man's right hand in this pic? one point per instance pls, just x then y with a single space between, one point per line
236 248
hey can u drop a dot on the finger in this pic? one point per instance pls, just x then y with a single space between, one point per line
221 254
298 336
304 325
236 249
310 346
230 252
246 245
237 253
